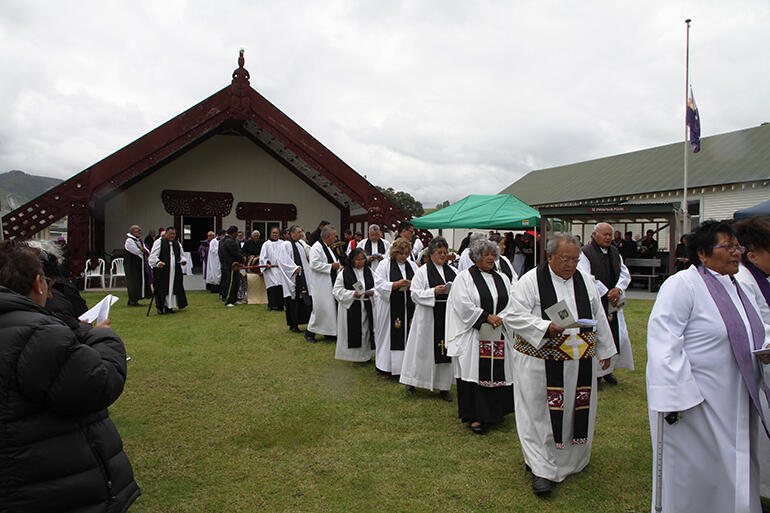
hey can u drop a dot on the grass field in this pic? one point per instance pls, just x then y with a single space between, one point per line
226 411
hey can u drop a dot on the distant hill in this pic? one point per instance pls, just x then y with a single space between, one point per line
18 187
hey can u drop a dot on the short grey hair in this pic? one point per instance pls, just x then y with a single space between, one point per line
477 236
481 247
255 232
326 230
552 247
374 227
597 225
435 243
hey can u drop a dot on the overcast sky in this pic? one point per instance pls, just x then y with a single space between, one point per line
438 98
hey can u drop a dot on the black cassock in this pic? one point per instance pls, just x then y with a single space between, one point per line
137 274
160 276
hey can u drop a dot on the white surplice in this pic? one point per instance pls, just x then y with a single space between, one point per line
533 420
345 299
749 285
498 266
288 267
463 309
213 265
387 360
465 261
153 260
625 359
710 454
419 368
323 319
375 250
270 252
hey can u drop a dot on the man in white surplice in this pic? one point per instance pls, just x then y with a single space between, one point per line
710 440
537 345
324 267
213 271
375 247
275 281
602 260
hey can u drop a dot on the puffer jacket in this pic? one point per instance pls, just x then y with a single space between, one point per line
59 450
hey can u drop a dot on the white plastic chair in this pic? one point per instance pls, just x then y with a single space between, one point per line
116 270
96 273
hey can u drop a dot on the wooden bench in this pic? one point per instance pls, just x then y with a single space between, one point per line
644 268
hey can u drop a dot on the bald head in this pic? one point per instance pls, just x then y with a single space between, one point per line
135 230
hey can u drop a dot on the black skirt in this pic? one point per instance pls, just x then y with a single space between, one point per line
483 404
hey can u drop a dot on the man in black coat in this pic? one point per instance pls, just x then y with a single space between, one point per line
137 273
59 450
230 252
166 260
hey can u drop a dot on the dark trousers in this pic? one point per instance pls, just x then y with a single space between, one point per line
297 312
275 297
230 292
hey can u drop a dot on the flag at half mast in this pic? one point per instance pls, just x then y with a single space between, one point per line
693 123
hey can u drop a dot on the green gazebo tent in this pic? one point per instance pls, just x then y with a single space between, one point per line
499 211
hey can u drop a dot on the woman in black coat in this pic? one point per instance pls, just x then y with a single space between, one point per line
59 450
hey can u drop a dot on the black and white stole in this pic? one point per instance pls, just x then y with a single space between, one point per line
355 336
505 268
401 307
331 257
368 247
491 352
301 291
554 369
439 310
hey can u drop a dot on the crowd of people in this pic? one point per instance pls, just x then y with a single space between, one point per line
536 344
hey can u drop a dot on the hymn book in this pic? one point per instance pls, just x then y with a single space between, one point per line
562 317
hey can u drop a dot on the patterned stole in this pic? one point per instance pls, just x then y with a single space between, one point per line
739 339
301 282
330 258
554 369
401 308
354 310
439 311
491 352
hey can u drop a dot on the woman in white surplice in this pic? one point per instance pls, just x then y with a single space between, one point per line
702 321
354 311
754 235
423 367
483 368
391 283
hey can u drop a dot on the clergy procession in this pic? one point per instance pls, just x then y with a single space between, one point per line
535 347
429 320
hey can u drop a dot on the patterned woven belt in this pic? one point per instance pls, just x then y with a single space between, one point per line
557 349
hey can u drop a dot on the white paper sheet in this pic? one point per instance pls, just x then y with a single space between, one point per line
100 311
562 317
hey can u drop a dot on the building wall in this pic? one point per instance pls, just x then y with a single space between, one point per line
221 164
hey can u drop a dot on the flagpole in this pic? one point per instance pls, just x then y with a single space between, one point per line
685 210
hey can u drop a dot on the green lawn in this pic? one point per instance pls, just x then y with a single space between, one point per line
226 411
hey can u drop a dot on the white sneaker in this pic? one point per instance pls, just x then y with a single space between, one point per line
229 305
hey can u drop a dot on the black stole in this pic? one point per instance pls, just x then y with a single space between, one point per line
401 308
301 283
505 268
355 336
606 268
554 369
490 375
439 311
330 258
380 247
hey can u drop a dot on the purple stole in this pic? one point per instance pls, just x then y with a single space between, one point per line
736 332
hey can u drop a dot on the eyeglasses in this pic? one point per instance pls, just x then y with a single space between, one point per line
731 248
569 260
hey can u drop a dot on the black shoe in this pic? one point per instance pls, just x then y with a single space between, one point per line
410 389
445 395
160 311
168 310
611 379
295 329
479 429
133 303
541 486
309 336
330 337
599 385
527 468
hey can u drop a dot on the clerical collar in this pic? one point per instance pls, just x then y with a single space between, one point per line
555 276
